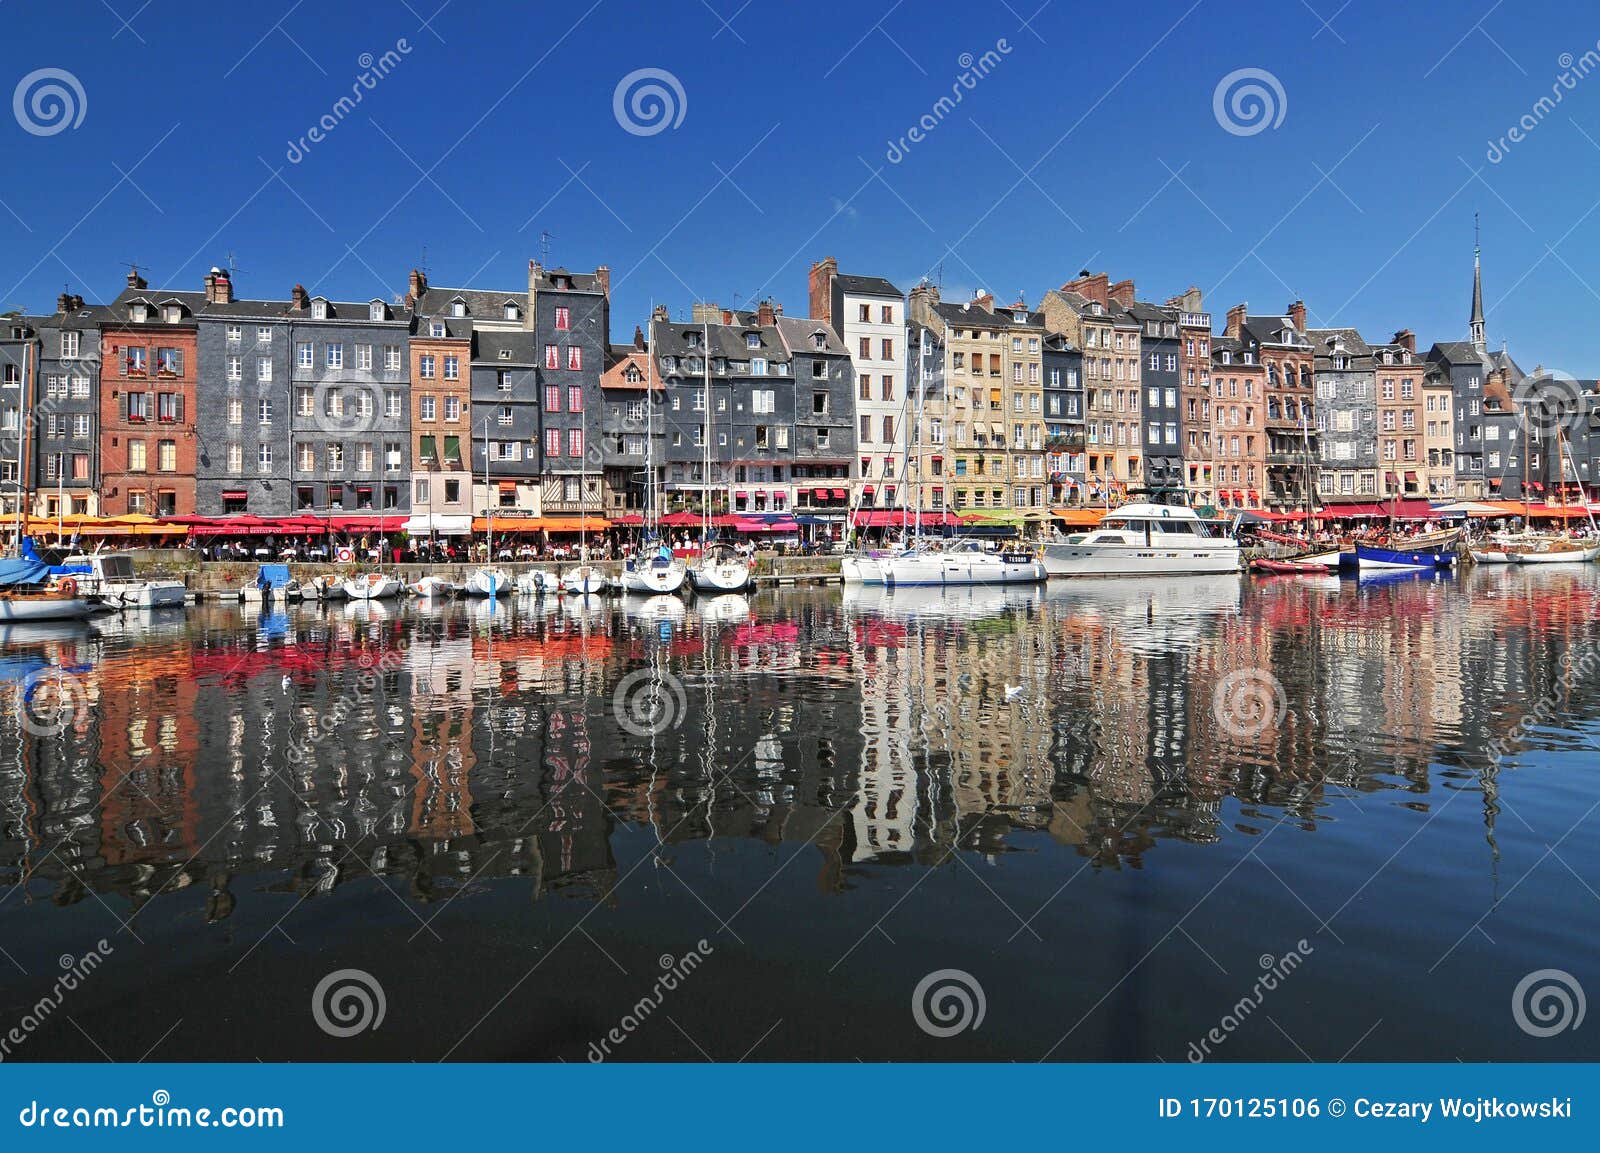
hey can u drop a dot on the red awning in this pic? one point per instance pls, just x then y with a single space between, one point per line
840 494
1254 499
630 520
235 494
820 493
1338 511
1412 509
1411 478
894 518
867 490
767 526
507 485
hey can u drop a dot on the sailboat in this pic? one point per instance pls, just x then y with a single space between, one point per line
720 568
585 578
488 580
377 585
652 571
1561 548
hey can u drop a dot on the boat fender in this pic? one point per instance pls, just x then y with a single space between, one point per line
69 587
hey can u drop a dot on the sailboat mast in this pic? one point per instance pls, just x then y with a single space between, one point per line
705 400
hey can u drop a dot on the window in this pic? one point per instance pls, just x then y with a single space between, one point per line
333 355
305 458
169 407
263 457
167 456
512 312
502 381
552 398
69 345
391 358
302 354
437 330
427 407
421 490
574 442
552 442
425 366
550 357
574 358
574 398
364 357
335 452
452 367
264 410
393 403
452 492
364 457
392 453
235 459
888 349
235 368
80 425
563 319
264 369
452 408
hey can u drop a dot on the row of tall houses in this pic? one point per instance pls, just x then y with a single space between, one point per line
444 403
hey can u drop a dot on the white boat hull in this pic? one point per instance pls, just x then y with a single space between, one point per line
585 580
373 587
489 582
720 577
1566 556
650 579
1491 556
535 582
959 568
1092 560
17 610
143 594
861 570
436 588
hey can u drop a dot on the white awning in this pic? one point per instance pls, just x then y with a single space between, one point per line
439 524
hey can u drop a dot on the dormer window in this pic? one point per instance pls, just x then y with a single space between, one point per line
458 308
140 313
375 311
174 314
436 329
1340 363
1020 317
692 339
512 312
1097 309
1227 357
752 340
505 354
319 310
819 341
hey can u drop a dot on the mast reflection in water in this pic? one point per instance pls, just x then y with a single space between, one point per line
506 813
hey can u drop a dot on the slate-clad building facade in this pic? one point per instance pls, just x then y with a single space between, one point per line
570 315
66 454
505 407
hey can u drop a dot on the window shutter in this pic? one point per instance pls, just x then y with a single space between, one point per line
179 410
122 407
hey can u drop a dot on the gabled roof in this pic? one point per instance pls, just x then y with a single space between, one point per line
481 303
580 281
625 357
800 332
488 345
1275 330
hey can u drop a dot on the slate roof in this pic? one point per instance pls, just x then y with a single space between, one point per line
867 285
482 303
487 345
798 333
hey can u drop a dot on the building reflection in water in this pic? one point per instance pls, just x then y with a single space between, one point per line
459 746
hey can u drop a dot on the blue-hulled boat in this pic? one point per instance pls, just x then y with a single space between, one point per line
1369 556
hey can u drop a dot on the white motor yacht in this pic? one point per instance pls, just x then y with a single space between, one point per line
962 562
1145 540
110 577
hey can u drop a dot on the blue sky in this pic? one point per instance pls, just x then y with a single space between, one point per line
1091 142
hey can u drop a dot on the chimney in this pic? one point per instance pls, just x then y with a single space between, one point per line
417 285
219 289
64 303
820 283
135 280
638 335
530 316
299 301
1297 313
777 309
1094 287
660 315
603 275
920 304
764 314
1188 302
1406 339
984 300
1236 316
1122 293
706 312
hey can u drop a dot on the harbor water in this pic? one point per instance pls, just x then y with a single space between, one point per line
1082 821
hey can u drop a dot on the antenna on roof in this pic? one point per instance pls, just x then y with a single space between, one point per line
940 271
1476 245
424 261
233 265
544 248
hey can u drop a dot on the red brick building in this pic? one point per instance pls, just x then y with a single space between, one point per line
149 361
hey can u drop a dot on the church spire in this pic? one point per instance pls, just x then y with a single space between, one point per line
1478 338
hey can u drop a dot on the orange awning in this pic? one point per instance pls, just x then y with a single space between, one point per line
514 524
1078 517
